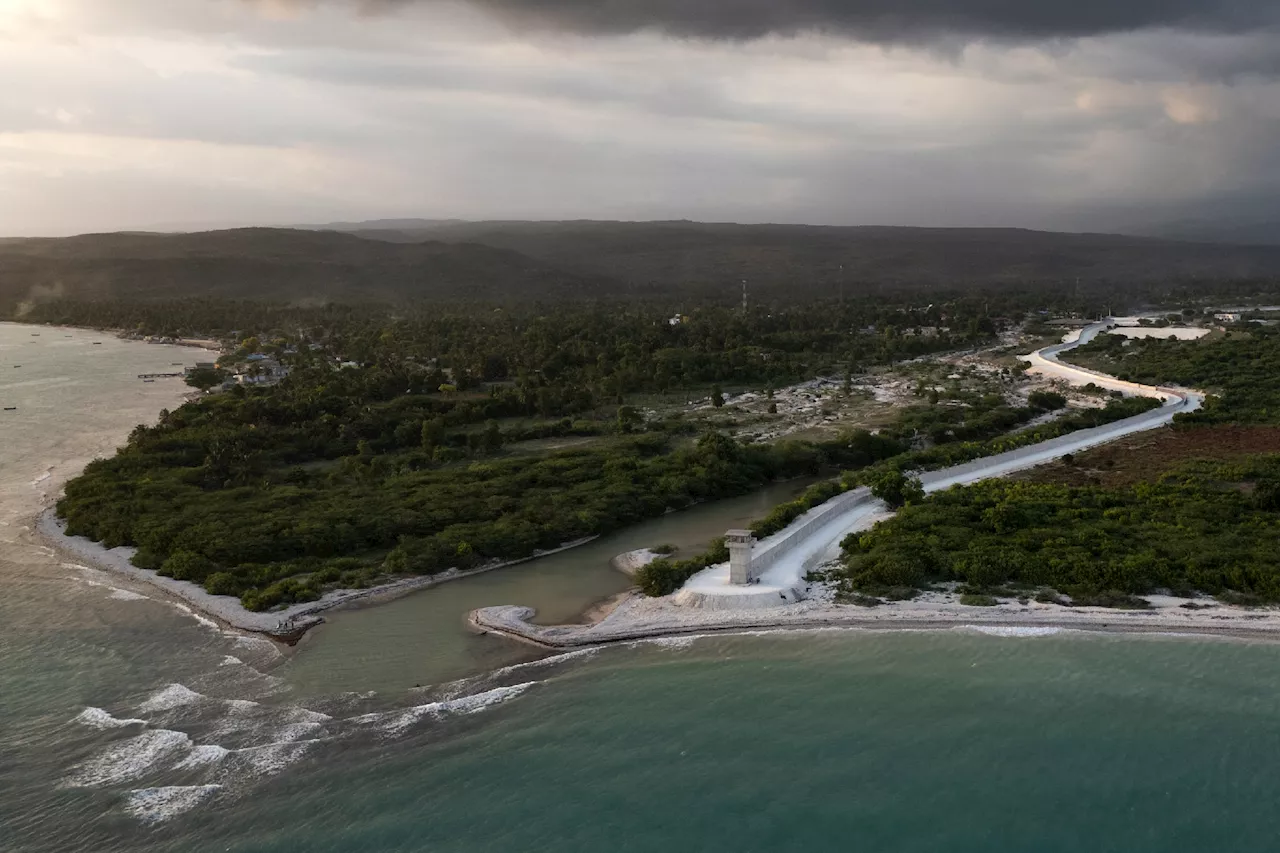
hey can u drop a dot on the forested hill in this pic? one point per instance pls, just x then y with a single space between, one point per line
783 256
527 261
280 264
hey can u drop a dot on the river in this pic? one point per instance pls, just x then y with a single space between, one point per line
128 723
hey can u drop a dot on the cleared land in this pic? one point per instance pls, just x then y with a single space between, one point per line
1144 457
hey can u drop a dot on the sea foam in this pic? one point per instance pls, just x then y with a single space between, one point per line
168 698
1013 630
208 623
130 759
550 661
270 758
156 805
397 722
201 756
97 718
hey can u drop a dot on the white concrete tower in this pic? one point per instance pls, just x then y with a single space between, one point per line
739 542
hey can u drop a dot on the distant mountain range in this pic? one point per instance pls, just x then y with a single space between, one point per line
686 254
389 260
274 263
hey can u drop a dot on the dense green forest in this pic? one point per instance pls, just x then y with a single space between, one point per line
888 455
612 348
423 437
284 533
1206 527
400 441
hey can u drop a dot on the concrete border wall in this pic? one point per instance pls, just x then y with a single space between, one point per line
768 551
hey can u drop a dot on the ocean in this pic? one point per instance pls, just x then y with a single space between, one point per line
128 723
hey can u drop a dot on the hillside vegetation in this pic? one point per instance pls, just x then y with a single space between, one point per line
280 264
859 258
675 261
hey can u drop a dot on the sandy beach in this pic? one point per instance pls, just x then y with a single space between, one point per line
639 618
631 617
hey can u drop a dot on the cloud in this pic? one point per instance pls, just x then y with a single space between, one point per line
881 21
1187 106
145 112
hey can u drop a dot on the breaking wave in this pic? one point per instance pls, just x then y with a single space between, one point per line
201 756
1013 630
397 722
97 718
168 698
205 621
551 661
267 759
156 805
130 759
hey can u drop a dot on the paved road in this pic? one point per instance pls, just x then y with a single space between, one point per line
821 542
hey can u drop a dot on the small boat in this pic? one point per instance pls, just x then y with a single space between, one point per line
175 364
148 380
97 343
11 408
35 334
16 366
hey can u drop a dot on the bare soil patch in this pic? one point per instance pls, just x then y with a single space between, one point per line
1144 457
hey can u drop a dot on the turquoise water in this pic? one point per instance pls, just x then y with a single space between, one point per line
129 724
887 742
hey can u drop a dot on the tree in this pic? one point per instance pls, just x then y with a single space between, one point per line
628 418
205 378
492 437
433 433
717 396
897 489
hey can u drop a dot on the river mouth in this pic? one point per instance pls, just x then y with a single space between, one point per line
424 638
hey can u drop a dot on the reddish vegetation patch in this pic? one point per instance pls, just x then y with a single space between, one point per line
1145 456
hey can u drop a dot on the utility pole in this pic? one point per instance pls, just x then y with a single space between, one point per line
744 296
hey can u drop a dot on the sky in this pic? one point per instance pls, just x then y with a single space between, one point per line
1079 115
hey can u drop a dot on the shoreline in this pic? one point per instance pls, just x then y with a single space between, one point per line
286 626
628 616
786 601
637 619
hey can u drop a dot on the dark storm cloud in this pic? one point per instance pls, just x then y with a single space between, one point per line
879 20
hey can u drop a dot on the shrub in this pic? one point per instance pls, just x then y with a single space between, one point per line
896 488
144 558
1109 598
187 566
223 583
1046 401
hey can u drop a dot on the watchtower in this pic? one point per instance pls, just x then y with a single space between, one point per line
739 543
